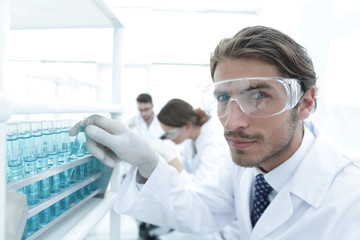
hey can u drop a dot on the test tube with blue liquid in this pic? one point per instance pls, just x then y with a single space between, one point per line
64 151
13 153
27 146
75 153
53 146
32 225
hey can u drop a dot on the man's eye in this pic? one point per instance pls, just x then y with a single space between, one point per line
222 97
260 95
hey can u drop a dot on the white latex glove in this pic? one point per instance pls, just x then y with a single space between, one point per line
16 214
165 150
111 141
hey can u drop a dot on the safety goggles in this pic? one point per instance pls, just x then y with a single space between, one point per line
173 133
255 96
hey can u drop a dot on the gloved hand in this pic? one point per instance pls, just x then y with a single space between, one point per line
165 150
111 141
16 214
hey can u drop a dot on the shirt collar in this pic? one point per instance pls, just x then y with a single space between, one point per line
279 176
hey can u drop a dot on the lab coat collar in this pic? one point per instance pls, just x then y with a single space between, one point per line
310 182
320 165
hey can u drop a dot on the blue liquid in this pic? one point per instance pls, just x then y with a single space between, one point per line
80 194
31 192
13 156
44 188
15 173
72 178
65 204
45 217
64 179
55 210
80 172
76 148
88 168
32 225
55 183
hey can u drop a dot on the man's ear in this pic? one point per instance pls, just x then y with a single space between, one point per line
306 103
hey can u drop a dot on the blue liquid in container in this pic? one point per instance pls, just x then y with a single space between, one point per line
80 172
45 217
65 204
55 210
64 179
13 154
55 183
44 188
76 148
32 192
33 224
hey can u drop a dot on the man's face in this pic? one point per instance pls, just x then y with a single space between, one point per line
146 110
265 142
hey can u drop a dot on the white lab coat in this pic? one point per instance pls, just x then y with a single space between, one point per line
140 127
320 202
212 150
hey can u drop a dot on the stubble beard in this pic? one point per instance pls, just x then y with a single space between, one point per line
239 156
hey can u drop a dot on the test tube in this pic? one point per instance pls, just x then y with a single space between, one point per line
45 216
40 149
13 153
74 154
65 204
27 146
55 210
32 225
77 144
64 151
44 188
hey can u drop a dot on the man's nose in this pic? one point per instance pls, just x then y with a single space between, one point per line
235 117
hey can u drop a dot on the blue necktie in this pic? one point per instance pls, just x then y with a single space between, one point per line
261 201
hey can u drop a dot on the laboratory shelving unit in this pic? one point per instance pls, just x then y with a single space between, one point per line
63 14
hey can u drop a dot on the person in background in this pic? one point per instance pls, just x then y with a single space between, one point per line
287 178
205 150
146 124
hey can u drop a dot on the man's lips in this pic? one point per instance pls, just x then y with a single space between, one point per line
240 143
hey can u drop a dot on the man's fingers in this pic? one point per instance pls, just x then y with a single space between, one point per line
109 125
95 149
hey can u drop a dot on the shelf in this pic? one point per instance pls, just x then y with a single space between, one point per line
53 14
62 216
45 203
77 224
42 175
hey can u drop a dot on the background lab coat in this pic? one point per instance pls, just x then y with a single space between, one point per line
211 153
153 131
321 200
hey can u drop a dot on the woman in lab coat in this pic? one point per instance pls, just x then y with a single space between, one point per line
204 144
204 152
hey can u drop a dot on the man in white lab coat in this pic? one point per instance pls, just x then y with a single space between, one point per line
287 180
146 124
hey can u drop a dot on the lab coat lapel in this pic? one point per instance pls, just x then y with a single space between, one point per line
245 185
279 210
